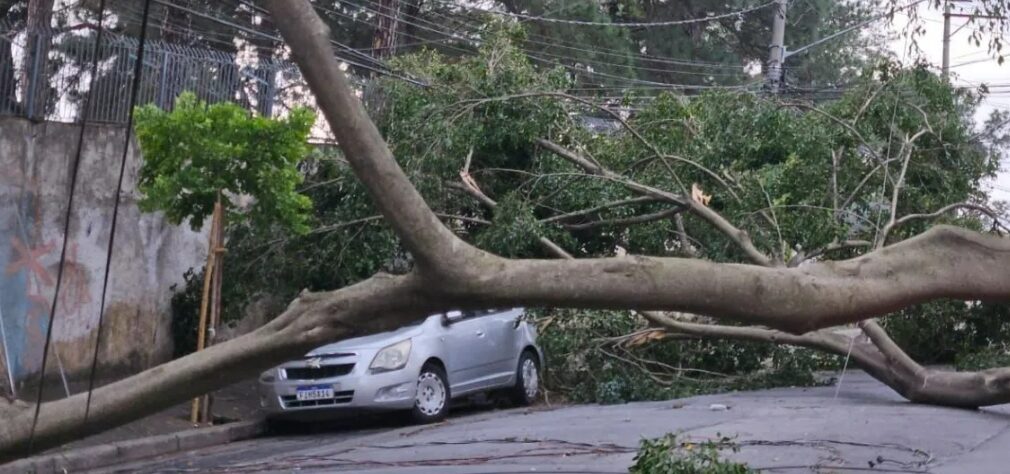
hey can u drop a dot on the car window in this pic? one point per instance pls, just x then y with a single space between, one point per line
478 313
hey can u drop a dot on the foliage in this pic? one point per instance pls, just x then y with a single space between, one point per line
186 313
197 151
668 455
987 357
348 244
949 331
797 177
585 368
775 167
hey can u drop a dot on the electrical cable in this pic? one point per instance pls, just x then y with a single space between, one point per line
851 28
277 38
630 24
66 226
565 45
138 71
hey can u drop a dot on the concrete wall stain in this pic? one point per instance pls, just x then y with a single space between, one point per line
150 255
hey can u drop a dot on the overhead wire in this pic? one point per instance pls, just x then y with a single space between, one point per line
851 28
74 174
536 55
138 71
639 24
559 43
384 71
436 28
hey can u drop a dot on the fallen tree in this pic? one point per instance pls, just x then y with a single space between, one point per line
794 302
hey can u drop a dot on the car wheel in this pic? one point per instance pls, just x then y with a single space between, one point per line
527 386
431 403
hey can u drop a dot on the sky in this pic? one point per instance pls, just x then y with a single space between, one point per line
970 66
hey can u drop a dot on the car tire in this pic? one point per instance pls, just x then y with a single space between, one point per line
431 402
527 387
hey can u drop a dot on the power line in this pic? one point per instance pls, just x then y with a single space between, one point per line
628 24
557 43
388 71
535 55
138 71
66 223
422 23
851 28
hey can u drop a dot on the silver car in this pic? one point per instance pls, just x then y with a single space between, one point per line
420 368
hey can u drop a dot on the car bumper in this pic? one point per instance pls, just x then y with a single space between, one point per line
393 390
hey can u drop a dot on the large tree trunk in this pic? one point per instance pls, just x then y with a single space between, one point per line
451 274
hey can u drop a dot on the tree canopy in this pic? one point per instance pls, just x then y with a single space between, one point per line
198 153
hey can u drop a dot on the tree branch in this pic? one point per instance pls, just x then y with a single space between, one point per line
836 245
602 207
474 193
627 221
944 262
841 123
906 149
737 235
952 207
310 321
627 126
430 242
685 240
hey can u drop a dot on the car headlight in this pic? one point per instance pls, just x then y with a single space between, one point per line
393 357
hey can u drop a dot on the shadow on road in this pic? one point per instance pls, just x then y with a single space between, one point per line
331 424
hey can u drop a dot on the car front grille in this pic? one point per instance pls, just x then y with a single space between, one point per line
324 372
291 401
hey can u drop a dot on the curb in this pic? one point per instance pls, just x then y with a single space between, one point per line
123 451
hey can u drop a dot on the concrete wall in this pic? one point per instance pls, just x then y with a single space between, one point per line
150 254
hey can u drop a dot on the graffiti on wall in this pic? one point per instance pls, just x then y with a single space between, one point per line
29 267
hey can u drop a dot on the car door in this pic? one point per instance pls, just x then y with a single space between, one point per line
503 331
472 353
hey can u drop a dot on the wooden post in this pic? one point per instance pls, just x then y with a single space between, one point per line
198 413
215 300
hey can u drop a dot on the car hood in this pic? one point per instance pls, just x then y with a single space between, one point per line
374 341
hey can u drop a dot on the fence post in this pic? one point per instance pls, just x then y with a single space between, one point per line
268 108
163 82
31 88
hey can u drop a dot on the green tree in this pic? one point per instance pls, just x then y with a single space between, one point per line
782 302
798 178
198 152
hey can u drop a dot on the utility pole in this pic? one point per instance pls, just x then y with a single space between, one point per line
777 49
946 40
948 13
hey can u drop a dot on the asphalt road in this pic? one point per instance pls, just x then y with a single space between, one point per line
781 430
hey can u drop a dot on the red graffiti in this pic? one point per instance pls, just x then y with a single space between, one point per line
28 259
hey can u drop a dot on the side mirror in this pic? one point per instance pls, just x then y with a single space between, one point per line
451 317
519 319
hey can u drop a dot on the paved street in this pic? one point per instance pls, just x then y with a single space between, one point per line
781 430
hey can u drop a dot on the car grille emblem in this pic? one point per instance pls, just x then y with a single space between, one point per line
316 363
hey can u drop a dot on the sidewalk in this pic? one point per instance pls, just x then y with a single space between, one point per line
235 409
237 402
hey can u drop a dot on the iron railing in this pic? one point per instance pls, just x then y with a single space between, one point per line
53 86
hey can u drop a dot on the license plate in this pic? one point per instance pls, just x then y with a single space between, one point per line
314 392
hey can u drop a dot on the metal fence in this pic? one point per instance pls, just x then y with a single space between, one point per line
45 75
